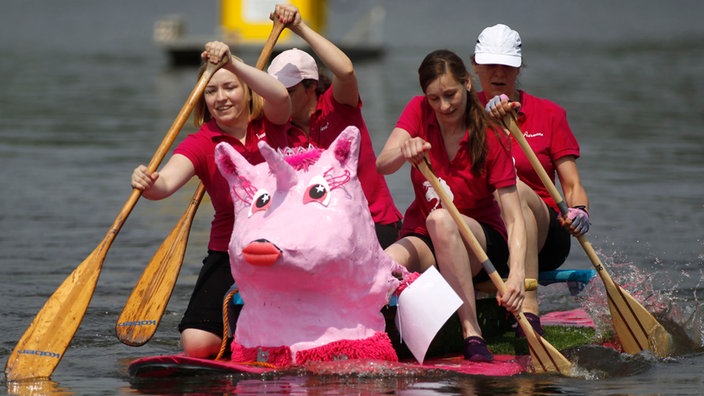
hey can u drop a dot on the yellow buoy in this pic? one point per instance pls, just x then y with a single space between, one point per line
247 21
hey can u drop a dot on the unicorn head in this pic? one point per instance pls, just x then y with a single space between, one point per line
304 251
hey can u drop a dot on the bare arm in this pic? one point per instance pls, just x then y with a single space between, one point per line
399 148
344 83
513 218
277 104
571 183
159 185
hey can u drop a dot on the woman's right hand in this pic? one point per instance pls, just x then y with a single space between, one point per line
287 14
413 150
499 106
141 179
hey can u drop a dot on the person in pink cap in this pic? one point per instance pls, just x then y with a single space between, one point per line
227 112
497 61
322 109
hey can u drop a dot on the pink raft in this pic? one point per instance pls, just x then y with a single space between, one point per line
503 365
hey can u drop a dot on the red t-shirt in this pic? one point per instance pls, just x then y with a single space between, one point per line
472 195
329 119
544 125
199 148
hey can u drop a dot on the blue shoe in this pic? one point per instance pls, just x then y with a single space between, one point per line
475 350
534 321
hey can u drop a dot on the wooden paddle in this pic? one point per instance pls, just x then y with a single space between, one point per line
545 358
145 306
635 327
43 344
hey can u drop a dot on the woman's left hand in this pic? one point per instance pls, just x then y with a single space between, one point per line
215 51
577 221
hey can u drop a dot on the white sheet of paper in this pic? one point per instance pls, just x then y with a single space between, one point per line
423 308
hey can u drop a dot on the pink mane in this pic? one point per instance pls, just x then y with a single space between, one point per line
301 158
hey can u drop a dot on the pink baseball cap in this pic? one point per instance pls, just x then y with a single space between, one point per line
293 66
498 45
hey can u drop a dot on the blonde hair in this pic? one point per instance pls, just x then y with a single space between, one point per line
201 115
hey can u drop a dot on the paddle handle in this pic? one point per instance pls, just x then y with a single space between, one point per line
270 43
510 123
468 236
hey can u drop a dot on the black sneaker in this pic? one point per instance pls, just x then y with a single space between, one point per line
475 350
534 321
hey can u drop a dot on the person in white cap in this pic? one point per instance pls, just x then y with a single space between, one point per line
323 109
497 61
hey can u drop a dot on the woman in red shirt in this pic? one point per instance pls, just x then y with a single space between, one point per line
227 112
470 155
497 62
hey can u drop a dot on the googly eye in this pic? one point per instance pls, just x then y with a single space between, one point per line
260 202
318 191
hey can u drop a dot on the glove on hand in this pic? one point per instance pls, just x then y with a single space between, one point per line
580 219
495 101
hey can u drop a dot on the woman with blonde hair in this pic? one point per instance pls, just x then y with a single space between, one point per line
241 105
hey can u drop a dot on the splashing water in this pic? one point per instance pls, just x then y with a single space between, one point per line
676 307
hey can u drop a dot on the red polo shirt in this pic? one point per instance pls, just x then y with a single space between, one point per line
544 125
472 195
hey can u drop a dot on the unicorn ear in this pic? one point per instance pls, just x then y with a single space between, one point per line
232 164
286 176
345 148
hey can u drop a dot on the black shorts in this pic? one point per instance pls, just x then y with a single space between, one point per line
204 310
496 250
387 233
557 245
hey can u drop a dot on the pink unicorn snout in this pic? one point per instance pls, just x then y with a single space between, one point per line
261 253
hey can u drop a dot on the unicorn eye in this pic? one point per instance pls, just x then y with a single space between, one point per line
317 191
260 202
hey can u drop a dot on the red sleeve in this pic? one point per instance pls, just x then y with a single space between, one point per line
412 116
502 171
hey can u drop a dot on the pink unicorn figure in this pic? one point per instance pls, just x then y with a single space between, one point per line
305 256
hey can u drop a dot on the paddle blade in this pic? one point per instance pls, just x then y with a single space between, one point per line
146 305
635 327
545 358
43 344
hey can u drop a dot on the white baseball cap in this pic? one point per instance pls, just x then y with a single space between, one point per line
498 45
293 66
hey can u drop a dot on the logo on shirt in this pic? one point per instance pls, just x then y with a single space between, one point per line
260 136
531 135
431 194
324 127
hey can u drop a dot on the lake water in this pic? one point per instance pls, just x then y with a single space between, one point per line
86 96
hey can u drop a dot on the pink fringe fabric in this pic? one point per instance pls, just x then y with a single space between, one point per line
375 347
